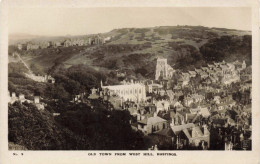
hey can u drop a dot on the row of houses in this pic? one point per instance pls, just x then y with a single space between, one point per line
39 78
225 73
21 98
95 40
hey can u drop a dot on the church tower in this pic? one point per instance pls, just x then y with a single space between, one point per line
161 69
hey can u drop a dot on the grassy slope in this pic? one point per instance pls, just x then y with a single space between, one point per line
157 36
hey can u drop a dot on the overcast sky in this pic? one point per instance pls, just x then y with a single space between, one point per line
77 21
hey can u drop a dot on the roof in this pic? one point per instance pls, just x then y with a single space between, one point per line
176 129
204 112
222 111
155 85
132 110
172 113
170 92
192 117
198 70
197 96
204 68
188 132
194 110
196 118
165 116
148 115
192 72
93 96
217 69
203 73
210 65
231 121
211 72
152 120
224 66
237 62
185 74
227 103
181 113
248 108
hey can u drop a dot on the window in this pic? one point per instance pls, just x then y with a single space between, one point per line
140 91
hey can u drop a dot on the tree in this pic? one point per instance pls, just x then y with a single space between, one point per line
72 87
119 64
29 127
57 92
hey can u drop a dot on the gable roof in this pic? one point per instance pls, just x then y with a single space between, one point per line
93 96
178 128
204 112
152 120
197 130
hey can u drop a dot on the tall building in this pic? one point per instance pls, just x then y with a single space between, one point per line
163 69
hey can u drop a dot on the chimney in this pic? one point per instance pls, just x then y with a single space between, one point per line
101 84
154 114
142 117
193 132
132 81
205 129
177 142
13 95
172 123
93 91
21 97
182 121
36 99
138 117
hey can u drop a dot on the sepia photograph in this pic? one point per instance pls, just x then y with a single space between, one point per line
129 78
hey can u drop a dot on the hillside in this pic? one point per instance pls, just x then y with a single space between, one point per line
78 128
134 50
37 130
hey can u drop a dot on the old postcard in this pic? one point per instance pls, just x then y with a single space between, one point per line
129 81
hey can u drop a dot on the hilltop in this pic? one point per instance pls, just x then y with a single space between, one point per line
134 50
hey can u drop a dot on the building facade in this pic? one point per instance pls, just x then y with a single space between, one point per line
128 91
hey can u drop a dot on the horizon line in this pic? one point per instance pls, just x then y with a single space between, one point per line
73 35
